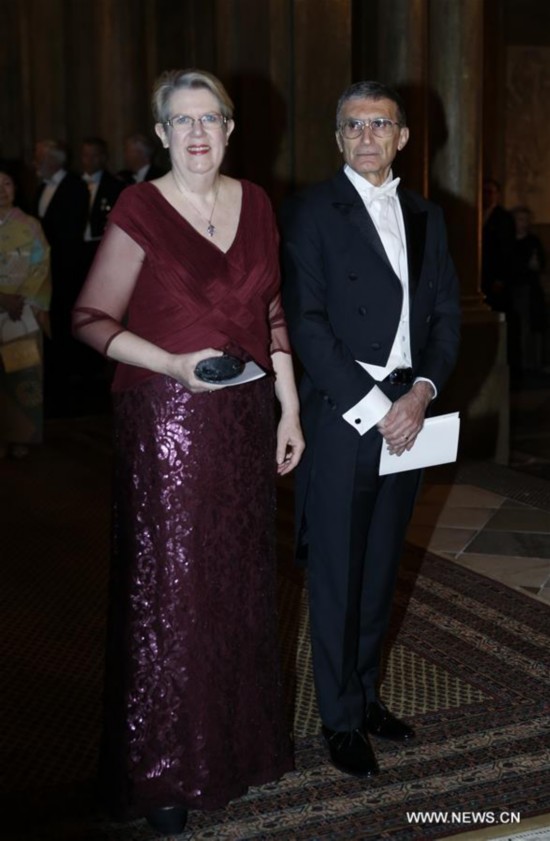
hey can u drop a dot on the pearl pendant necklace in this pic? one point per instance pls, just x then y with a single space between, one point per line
210 228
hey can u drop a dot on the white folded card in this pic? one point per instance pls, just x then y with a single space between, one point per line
436 443
251 372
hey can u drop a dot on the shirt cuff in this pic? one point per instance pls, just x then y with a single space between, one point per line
426 380
369 411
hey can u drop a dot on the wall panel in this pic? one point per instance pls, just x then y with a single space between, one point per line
74 68
13 71
322 69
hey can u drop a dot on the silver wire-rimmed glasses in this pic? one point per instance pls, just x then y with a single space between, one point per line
183 122
353 128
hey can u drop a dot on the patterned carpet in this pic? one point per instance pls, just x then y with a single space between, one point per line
468 665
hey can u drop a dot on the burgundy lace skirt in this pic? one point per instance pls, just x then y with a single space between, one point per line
194 711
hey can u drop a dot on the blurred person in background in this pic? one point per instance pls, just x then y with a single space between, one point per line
498 238
527 318
104 189
24 301
139 151
61 204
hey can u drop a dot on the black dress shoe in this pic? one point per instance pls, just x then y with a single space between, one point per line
380 722
351 752
168 819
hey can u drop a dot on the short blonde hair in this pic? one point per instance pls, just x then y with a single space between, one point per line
173 80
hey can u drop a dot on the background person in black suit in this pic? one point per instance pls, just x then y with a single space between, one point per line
104 189
139 151
62 206
498 242
371 300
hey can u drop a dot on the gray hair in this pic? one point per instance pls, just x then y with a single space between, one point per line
372 90
191 79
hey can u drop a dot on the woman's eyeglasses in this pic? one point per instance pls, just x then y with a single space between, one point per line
183 122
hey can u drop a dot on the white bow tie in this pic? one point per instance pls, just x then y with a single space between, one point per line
385 191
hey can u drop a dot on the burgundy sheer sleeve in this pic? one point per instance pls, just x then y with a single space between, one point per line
100 308
279 333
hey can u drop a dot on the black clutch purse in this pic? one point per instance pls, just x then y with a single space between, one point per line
217 369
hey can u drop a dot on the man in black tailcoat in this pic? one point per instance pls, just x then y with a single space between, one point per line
372 305
62 207
139 151
498 245
104 189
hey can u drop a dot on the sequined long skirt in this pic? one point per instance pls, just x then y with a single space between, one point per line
194 711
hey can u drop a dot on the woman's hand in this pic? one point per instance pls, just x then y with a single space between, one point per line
13 305
290 443
181 367
133 350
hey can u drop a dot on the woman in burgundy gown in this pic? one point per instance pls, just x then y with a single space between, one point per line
188 268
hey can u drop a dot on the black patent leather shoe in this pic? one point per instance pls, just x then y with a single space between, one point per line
351 752
380 722
168 819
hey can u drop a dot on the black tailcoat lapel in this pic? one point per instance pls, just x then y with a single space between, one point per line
352 208
415 221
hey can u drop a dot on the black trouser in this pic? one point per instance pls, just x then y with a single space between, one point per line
356 528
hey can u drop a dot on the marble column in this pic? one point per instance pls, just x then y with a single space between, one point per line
402 47
455 77
455 80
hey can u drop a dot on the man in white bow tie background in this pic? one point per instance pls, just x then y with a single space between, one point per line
104 189
372 304
61 204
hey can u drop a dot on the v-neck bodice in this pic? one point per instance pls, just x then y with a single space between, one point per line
188 294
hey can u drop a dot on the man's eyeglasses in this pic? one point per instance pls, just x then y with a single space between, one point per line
209 122
380 127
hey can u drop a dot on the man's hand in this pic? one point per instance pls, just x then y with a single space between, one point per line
405 419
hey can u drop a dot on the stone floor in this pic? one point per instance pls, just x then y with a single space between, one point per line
490 533
496 525
496 520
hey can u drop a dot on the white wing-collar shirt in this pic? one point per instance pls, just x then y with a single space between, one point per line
47 193
384 208
92 180
139 176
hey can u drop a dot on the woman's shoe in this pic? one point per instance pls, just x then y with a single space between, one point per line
168 819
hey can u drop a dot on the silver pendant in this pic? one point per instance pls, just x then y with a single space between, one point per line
210 230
